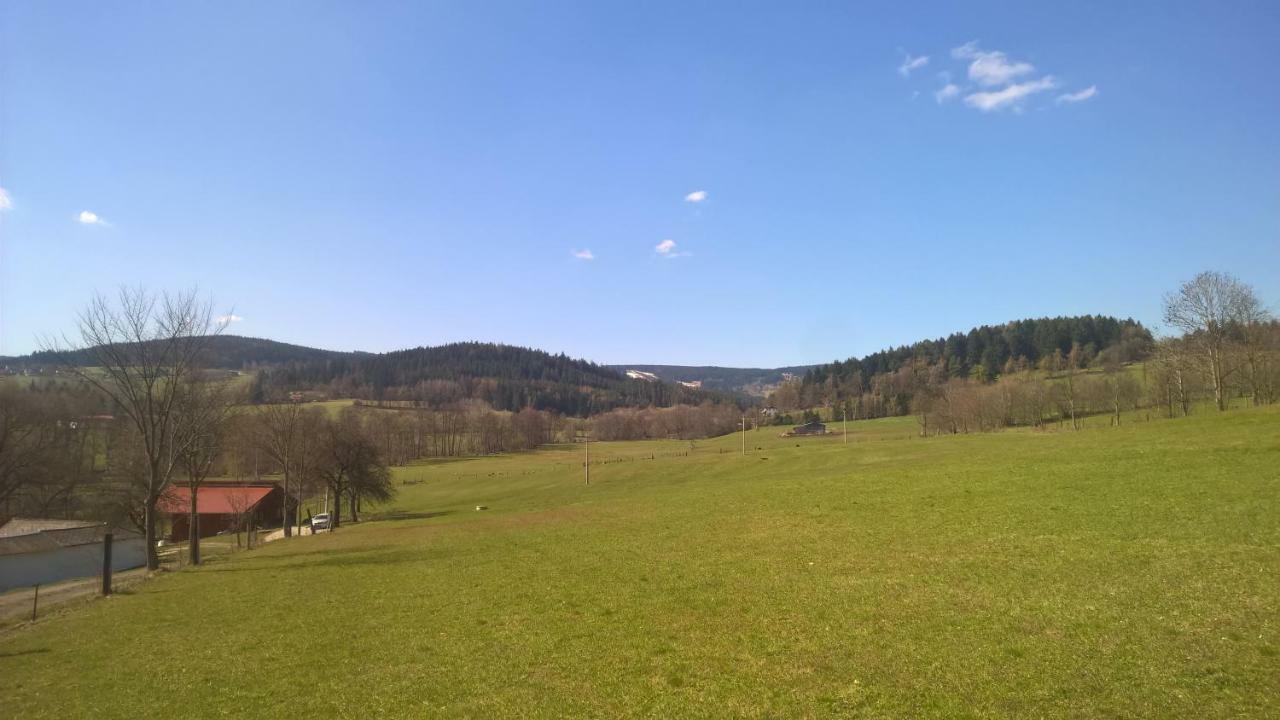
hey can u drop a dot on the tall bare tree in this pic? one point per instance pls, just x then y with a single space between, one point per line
1072 364
279 434
205 408
28 435
351 465
138 350
1211 309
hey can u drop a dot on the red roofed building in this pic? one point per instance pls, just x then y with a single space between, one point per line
221 507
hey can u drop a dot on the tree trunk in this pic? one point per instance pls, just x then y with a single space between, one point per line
284 506
1071 402
355 499
1219 381
149 534
193 529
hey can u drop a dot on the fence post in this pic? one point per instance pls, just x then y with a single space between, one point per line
106 564
35 603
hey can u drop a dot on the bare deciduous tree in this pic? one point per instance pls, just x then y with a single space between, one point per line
204 408
138 351
1210 309
351 465
27 438
279 425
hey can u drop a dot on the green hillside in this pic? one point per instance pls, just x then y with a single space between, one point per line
1111 572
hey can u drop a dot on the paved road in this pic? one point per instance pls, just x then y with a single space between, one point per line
16 604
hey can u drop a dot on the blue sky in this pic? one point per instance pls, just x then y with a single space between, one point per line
375 176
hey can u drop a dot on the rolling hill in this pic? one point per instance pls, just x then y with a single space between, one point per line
224 352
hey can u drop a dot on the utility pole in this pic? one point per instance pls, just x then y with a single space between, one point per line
586 463
844 424
744 435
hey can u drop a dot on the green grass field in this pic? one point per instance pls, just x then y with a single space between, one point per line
1112 572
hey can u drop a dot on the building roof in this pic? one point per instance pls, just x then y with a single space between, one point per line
52 538
214 499
29 526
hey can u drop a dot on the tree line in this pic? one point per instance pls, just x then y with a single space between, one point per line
883 383
1229 347
503 376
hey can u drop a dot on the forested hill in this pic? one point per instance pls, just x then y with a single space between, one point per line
987 351
226 352
506 377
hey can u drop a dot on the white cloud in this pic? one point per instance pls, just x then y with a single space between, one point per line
6 202
912 63
87 217
228 319
667 249
947 92
992 67
1080 96
1010 96
696 196
584 254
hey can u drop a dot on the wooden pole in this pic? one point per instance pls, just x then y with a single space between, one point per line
106 564
586 463
35 603
744 435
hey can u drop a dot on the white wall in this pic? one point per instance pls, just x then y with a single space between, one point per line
50 566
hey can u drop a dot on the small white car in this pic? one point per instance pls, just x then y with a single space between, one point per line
319 522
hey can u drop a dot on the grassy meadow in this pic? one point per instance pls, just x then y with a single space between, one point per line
1111 572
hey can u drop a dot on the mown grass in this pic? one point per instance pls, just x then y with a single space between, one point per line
1112 572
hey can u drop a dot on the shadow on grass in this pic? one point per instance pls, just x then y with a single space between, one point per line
363 557
428 462
407 515
36 651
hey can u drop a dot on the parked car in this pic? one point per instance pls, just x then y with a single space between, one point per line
319 522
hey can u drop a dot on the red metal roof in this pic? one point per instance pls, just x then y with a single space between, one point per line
213 499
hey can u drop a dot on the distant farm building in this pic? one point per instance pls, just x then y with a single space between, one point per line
769 412
222 507
813 428
39 551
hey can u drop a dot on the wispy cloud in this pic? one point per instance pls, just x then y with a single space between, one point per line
696 196
584 254
990 67
1009 96
667 249
6 202
995 82
87 217
228 319
1080 96
912 63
